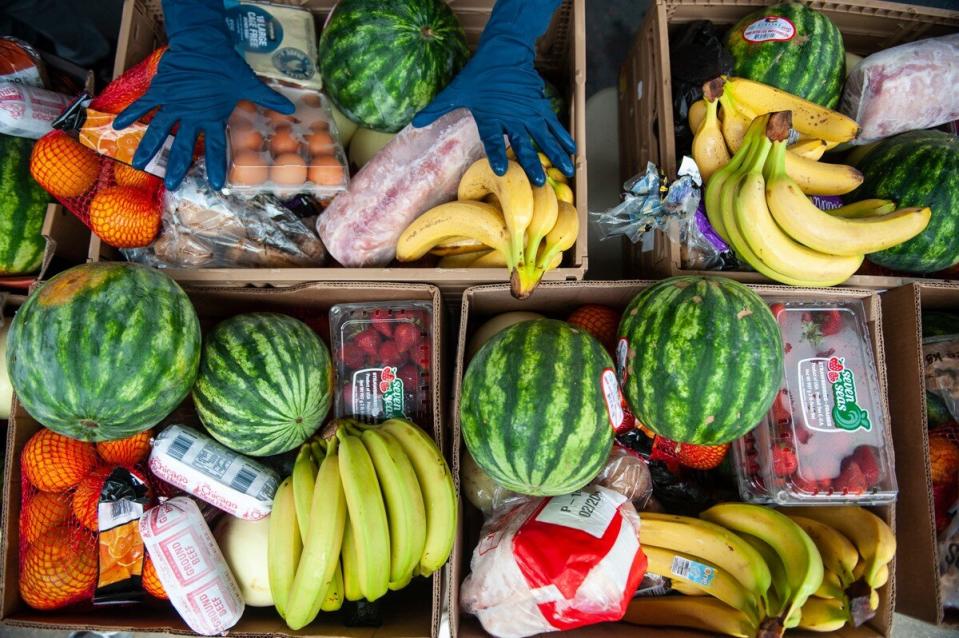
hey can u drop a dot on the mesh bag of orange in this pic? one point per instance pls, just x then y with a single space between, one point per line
119 203
61 560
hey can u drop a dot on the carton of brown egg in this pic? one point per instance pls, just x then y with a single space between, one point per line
286 154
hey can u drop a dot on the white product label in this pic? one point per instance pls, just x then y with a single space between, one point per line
692 571
613 398
590 512
622 355
770 29
116 513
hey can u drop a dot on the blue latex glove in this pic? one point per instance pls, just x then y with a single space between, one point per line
502 89
199 80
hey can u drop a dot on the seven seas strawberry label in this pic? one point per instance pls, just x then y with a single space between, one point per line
828 396
378 394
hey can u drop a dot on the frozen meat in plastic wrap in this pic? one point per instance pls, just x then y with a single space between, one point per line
905 88
555 564
421 168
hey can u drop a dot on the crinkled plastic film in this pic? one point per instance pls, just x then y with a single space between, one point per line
909 87
204 228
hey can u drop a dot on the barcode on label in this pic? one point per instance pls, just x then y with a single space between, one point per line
120 508
243 479
114 513
180 446
693 571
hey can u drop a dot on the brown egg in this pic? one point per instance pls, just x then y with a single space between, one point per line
277 119
311 101
288 169
243 137
319 143
249 169
319 125
326 171
283 141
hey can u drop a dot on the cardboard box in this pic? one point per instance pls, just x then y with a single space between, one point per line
414 612
918 546
646 117
562 59
67 244
558 300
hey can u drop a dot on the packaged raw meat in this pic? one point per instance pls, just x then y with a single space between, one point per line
202 467
555 564
905 88
826 439
418 170
28 111
20 63
286 154
206 228
191 567
382 354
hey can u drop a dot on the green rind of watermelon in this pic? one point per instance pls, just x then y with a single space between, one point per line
23 205
104 350
704 359
937 413
382 61
533 413
936 323
918 168
265 383
811 65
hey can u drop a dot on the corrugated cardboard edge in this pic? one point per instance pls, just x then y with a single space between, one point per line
9 592
881 625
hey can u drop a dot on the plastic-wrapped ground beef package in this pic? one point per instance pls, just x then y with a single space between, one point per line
908 87
555 564
419 169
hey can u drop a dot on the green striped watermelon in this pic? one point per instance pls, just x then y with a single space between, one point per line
918 168
938 324
384 60
265 383
791 47
103 351
534 411
23 205
702 359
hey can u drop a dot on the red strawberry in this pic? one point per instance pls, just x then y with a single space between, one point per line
851 479
353 358
410 376
701 457
406 336
832 323
777 309
782 410
600 321
417 317
865 458
784 460
368 341
421 355
801 432
383 322
806 317
390 355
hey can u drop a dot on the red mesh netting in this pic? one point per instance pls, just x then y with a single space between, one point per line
117 202
61 479
944 466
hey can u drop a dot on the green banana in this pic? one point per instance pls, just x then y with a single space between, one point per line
284 545
304 477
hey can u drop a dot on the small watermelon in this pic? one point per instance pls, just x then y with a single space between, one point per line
791 47
382 61
703 360
23 205
265 383
104 350
535 410
918 168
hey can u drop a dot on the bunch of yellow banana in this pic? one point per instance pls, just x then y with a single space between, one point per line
757 207
721 119
363 513
498 221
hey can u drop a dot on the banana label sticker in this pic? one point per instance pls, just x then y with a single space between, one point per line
829 399
770 29
693 571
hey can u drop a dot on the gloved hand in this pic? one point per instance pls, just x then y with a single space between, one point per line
199 80
502 89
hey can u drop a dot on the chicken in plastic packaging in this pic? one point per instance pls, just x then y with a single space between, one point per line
419 169
905 88
554 564
205 228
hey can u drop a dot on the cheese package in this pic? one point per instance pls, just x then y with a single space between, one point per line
202 467
191 567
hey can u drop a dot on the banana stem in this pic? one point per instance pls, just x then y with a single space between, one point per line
713 89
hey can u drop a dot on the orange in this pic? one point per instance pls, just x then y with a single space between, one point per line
52 462
58 570
125 217
151 582
41 512
62 166
87 497
944 460
128 451
126 175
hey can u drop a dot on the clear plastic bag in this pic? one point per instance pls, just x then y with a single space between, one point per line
941 357
905 88
204 228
